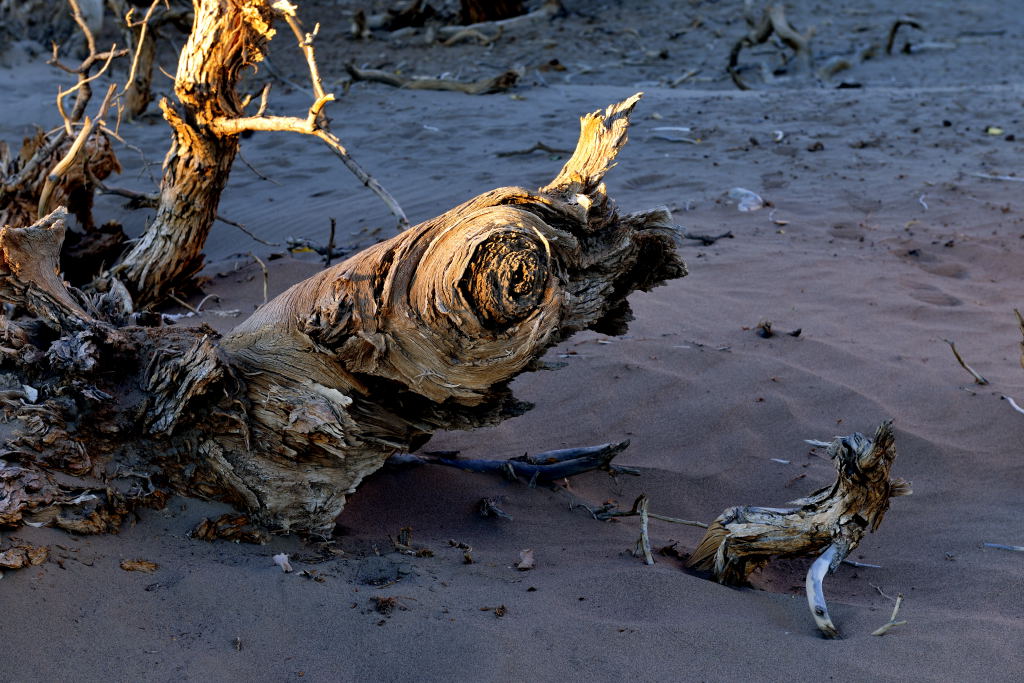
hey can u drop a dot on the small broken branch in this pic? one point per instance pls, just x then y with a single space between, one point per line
1020 324
472 34
484 86
885 628
978 379
1006 178
890 40
610 512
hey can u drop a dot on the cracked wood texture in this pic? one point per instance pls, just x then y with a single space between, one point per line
286 415
226 37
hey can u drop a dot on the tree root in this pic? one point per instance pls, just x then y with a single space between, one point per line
543 467
834 518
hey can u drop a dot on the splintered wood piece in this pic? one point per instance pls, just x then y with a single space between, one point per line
832 520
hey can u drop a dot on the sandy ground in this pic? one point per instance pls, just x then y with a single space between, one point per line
879 242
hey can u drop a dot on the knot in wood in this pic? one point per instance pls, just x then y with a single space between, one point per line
506 279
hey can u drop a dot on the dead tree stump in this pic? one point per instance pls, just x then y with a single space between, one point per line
287 414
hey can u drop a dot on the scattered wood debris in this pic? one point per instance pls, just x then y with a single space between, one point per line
21 555
229 527
488 507
403 544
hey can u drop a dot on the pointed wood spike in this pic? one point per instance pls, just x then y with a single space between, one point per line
602 135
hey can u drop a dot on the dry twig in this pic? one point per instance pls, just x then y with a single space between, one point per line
978 379
315 123
892 620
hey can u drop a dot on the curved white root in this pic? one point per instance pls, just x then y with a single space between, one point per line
816 594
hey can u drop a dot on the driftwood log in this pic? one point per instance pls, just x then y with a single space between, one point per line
287 414
830 522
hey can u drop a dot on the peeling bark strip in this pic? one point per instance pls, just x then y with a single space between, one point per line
286 415
833 519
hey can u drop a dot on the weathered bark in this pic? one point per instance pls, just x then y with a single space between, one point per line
226 37
287 414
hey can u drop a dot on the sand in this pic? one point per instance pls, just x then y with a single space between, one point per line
879 242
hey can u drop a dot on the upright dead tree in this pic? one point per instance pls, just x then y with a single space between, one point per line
287 414
206 122
226 37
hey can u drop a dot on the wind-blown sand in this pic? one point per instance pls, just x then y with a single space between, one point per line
879 243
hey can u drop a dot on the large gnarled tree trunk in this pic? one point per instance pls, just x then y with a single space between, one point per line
287 414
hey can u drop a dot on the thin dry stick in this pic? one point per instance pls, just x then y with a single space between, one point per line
143 26
330 243
892 620
266 275
318 125
73 155
977 378
246 230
